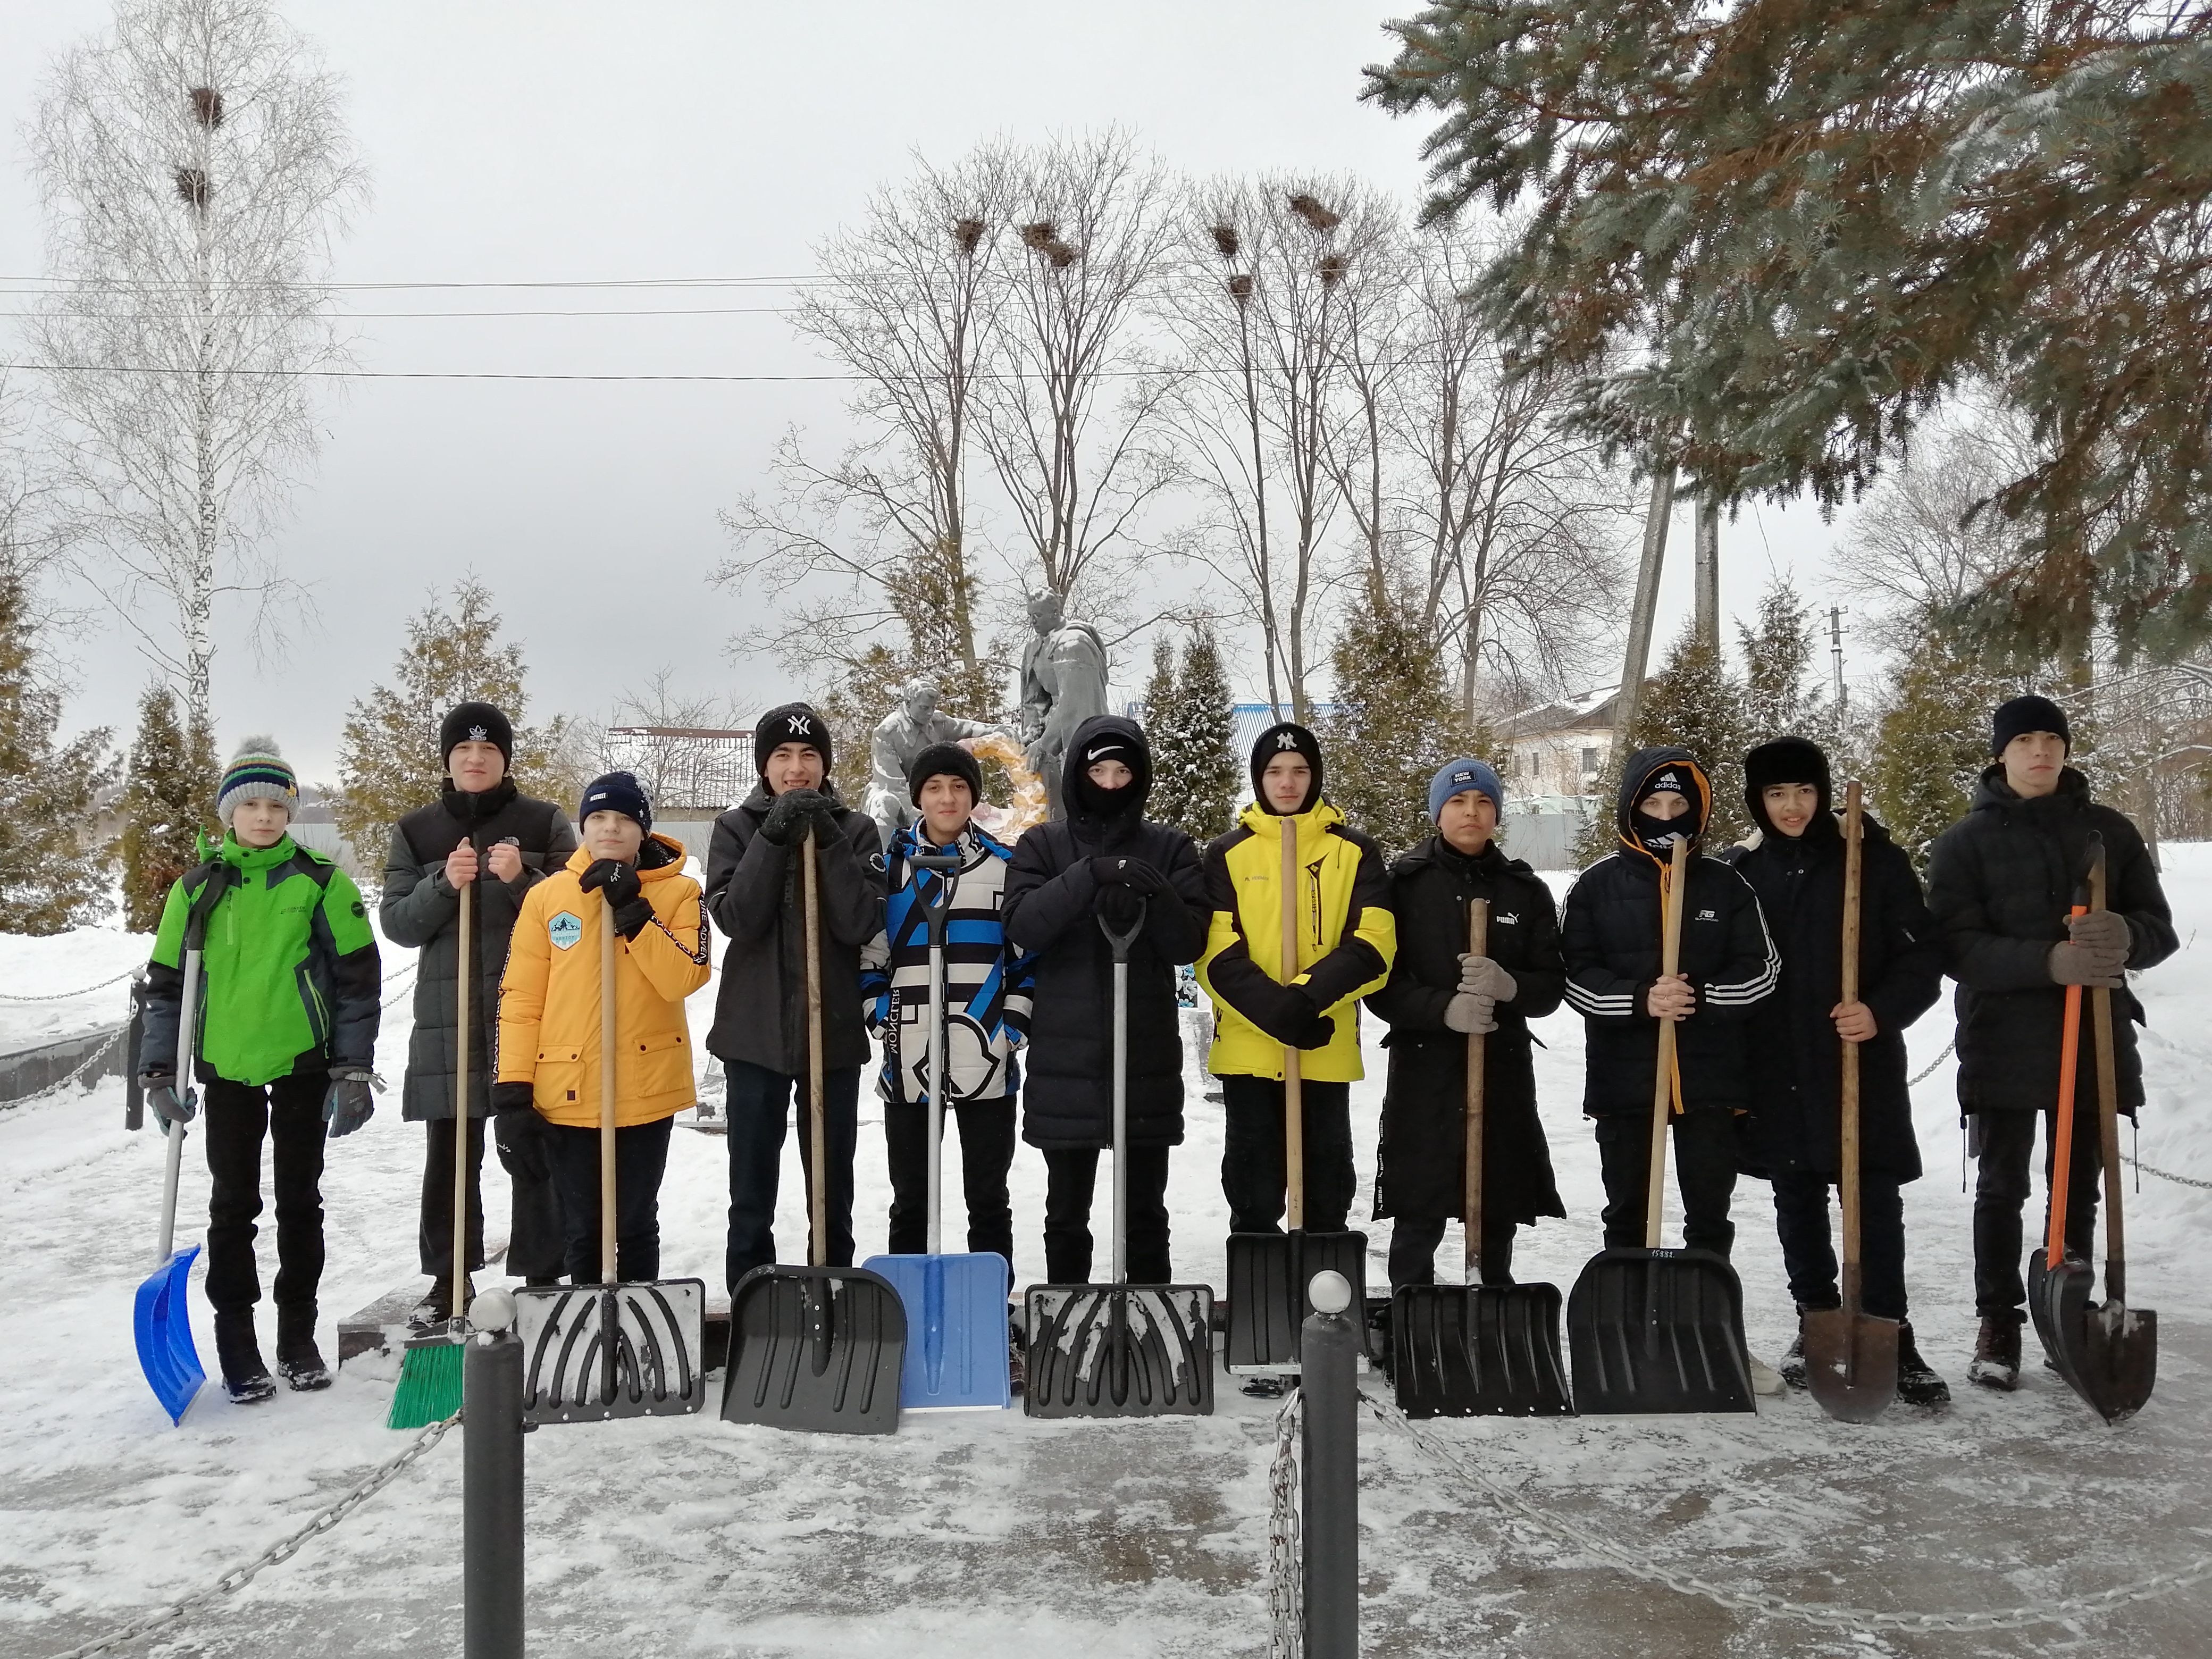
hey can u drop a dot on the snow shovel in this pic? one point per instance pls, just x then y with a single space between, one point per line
161 1321
2107 1352
1850 1356
1120 1350
1476 1350
620 1349
816 1348
956 1305
1269 1272
1658 1330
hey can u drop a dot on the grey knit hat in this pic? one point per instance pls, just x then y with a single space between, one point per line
257 772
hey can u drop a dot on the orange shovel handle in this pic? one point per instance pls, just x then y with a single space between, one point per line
2061 1130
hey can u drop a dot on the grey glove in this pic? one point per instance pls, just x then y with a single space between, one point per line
1485 978
350 1104
1472 1012
2101 930
163 1100
2079 965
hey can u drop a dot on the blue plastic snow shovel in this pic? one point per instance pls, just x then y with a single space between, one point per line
162 1319
956 1305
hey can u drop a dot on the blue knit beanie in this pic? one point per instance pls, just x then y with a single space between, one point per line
1460 776
617 791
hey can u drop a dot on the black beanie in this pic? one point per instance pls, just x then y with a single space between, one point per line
2027 714
1286 738
941 759
1785 760
616 792
790 722
475 722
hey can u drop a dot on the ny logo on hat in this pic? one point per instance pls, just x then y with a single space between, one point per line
1287 740
799 725
478 734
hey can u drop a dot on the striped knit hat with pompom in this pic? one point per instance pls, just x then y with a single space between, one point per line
257 772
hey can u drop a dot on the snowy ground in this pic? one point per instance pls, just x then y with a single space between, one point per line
968 1536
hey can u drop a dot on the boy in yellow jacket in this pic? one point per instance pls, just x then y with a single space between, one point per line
549 1021
1346 940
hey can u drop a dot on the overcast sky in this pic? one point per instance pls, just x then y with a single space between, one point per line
560 142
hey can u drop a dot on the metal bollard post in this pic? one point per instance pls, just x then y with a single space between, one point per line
1331 1497
491 1482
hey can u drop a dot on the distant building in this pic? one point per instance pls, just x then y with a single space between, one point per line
1561 749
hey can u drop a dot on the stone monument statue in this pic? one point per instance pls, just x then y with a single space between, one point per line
1063 684
911 727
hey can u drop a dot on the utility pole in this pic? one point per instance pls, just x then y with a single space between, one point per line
1709 573
1836 655
1641 612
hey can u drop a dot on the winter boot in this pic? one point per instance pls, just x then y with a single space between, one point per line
1995 1364
245 1379
299 1361
1018 1370
1793 1363
1916 1382
436 1306
1263 1388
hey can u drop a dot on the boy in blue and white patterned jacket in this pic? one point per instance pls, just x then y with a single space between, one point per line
986 994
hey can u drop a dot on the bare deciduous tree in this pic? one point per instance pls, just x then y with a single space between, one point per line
194 169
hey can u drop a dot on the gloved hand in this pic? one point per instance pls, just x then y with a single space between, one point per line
349 1104
1317 1029
1472 1013
619 880
2101 930
1120 908
2078 965
789 814
1135 874
1485 978
519 1135
163 1098
513 1098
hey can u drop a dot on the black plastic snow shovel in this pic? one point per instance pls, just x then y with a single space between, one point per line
1120 1350
2106 1351
1850 1356
816 1348
1471 1349
611 1349
1656 1330
1269 1272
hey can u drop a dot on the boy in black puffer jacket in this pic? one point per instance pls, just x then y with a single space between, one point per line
1797 1037
1104 859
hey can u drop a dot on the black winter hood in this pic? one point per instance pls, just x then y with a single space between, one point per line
1651 837
1790 760
1104 737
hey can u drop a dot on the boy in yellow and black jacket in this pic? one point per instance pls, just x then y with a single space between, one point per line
1346 941
548 1022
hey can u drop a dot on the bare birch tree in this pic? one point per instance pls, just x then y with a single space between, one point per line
194 170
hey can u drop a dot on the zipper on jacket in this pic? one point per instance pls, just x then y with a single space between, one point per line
1313 899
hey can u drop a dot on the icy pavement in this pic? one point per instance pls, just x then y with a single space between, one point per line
966 1535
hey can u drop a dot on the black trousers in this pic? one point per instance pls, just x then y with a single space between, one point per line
2001 1186
1704 1156
1413 1242
640 1155
537 1248
289 1112
1801 1219
1253 1151
987 1153
760 1106
1071 1175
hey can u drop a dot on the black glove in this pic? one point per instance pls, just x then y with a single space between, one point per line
513 1098
1120 908
631 919
790 813
163 1100
1135 874
519 1135
1280 1010
348 1103
619 880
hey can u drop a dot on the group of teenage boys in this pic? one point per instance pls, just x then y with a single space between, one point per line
290 1005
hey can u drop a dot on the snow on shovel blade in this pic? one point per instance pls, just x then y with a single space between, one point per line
1850 1362
1268 1273
1478 1351
955 1326
1120 1350
163 1326
2107 1353
817 1349
1658 1331
654 1331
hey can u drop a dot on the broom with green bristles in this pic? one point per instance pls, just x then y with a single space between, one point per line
429 1389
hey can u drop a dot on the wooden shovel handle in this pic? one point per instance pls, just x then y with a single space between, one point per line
1294 1127
1673 889
1478 944
463 986
607 1040
818 1195
2108 1107
1847 1163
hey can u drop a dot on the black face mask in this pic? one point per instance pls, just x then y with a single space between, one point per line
1657 834
1097 803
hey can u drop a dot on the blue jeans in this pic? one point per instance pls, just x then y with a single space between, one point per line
760 1102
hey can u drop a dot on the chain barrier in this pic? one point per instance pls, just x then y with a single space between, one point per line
1285 1556
75 1077
2167 1175
238 1578
404 990
1922 1076
65 996
1867 1619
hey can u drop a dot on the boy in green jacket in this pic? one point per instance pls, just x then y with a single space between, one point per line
288 1014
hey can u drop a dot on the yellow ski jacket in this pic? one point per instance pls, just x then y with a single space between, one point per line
1346 941
548 998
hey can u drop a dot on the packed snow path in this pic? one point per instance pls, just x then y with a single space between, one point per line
966 1536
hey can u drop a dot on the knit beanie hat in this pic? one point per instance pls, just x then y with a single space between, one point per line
616 792
1459 776
1286 738
257 772
475 722
2027 714
790 722
942 759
